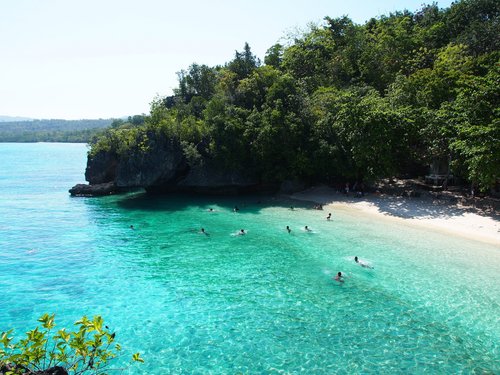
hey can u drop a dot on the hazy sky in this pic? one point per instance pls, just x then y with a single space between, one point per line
78 59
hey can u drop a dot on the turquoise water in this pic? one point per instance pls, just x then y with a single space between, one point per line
260 303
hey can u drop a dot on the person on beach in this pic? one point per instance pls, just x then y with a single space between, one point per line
339 277
288 229
361 263
329 216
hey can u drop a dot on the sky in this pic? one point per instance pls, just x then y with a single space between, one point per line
85 59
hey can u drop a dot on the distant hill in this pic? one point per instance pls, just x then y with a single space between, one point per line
14 118
53 130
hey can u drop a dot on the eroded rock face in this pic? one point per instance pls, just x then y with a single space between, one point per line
96 190
207 177
161 164
101 168
162 167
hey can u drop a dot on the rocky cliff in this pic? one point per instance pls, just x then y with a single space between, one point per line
162 167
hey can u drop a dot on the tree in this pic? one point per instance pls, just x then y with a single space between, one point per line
88 349
274 56
357 134
476 24
243 63
476 117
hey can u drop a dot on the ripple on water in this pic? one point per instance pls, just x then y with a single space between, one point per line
260 303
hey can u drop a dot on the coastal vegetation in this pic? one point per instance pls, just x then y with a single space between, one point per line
343 102
54 130
87 350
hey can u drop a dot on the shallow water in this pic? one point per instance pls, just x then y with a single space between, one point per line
264 302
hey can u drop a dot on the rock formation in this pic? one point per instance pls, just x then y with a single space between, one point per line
162 167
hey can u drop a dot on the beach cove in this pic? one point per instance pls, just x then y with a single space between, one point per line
260 303
451 218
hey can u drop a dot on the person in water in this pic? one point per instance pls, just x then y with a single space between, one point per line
339 277
132 227
242 232
288 229
361 263
236 209
307 229
329 216
202 231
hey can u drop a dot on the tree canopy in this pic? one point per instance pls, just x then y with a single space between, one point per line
344 101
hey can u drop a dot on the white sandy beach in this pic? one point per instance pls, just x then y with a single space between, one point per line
425 212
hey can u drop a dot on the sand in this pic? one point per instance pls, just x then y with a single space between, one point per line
426 212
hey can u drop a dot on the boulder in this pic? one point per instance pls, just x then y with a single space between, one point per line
95 190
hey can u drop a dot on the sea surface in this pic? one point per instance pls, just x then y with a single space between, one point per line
261 303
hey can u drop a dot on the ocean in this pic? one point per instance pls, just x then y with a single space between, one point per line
260 303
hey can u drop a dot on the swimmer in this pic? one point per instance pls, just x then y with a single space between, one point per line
339 277
329 216
132 227
210 210
236 209
291 208
307 229
242 232
202 231
288 229
361 263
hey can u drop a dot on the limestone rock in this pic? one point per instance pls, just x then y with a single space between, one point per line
95 190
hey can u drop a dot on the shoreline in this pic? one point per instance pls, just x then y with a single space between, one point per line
423 212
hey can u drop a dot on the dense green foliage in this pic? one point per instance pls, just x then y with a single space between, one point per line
87 350
78 131
345 102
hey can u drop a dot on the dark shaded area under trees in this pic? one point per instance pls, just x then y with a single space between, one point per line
345 102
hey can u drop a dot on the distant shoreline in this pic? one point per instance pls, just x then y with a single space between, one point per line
453 219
